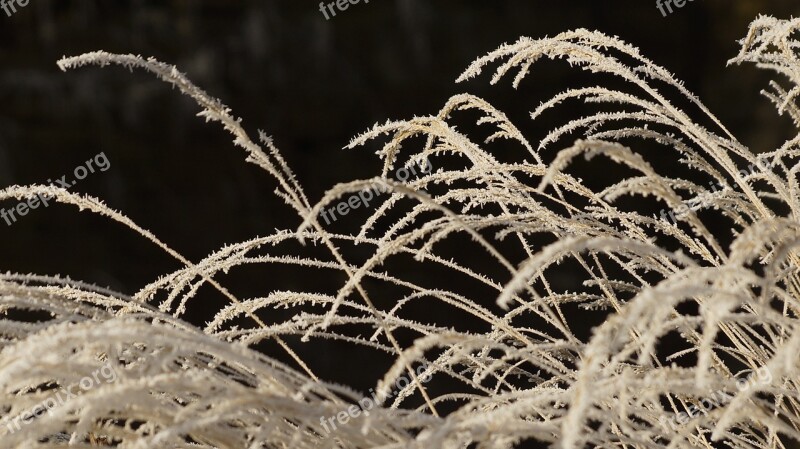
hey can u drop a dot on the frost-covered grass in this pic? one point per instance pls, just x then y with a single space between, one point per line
733 308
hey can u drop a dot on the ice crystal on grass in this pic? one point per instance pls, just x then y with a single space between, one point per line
527 376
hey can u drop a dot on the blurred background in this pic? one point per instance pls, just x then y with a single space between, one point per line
312 84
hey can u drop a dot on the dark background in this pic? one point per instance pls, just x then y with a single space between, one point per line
310 83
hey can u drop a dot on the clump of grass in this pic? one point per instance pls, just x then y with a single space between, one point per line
732 307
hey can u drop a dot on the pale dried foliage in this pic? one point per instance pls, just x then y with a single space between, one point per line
525 375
